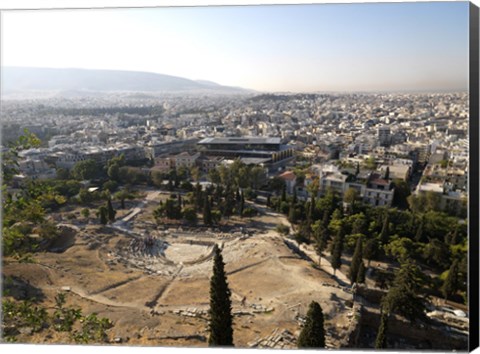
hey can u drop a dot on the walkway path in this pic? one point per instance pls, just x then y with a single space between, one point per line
325 264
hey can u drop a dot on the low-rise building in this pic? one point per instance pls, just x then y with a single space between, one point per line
379 191
396 171
36 169
273 153
371 187
207 163
186 160
164 163
290 180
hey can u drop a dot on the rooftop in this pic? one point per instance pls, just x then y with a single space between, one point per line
241 140
254 160
430 187
288 175
377 179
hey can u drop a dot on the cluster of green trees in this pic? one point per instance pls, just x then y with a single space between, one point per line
230 187
25 227
431 201
238 175
81 328
417 239
214 203
106 213
115 171
175 178
405 297
111 176
434 239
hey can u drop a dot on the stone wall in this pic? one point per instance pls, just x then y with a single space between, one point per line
421 335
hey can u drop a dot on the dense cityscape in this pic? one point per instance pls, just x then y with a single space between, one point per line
118 204
421 139
225 176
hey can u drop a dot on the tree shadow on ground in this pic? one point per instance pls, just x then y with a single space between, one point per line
340 281
20 289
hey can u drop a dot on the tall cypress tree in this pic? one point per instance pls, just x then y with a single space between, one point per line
326 219
455 237
356 260
311 211
361 273
218 193
221 320
385 233
370 250
229 202
381 340
207 212
242 205
210 199
102 211
284 193
179 206
321 237
170 183
198 196
313 333
292 214
450 286
111 211
337 249
419 236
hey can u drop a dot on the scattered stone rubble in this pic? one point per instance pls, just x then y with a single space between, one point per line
191 312
347 289
278 339
300 320
202 313
258 308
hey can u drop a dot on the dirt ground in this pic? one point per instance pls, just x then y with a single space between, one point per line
163 299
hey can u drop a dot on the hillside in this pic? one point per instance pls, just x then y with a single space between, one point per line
23 79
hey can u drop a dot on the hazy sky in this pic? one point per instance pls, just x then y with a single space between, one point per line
353 47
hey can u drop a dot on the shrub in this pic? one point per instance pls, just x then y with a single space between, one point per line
283 229
249 212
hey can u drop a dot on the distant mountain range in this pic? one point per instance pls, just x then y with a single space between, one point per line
25 79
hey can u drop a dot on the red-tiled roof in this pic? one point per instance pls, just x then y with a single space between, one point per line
288 175
380 181
377 179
